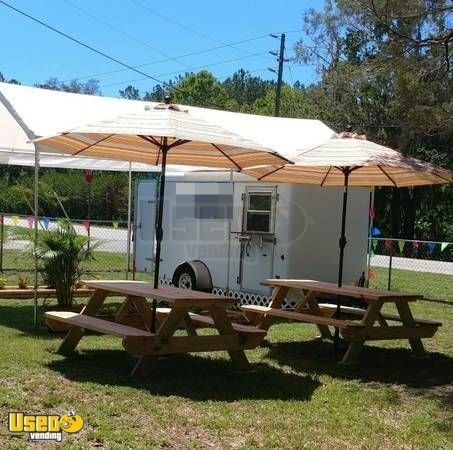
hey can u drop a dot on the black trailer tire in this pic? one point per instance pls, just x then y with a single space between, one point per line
184 277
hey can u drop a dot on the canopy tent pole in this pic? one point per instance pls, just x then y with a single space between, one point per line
36 206
371 213
159 231
342 243
129 223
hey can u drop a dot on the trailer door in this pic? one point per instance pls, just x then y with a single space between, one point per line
257 237
145 221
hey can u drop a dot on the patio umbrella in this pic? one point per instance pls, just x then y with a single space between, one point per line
162 134
349 161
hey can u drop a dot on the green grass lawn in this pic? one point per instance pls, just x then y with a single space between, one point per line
431 285
296 396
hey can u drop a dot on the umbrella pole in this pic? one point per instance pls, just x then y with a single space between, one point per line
159 230
342 243
35 243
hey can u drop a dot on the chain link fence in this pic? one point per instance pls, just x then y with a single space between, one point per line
112 253
424 267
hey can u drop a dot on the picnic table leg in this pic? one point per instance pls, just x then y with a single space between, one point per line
123 310
144 310
74 335
145 364
371 315
408 320
188 324
223 325
313 307
278 296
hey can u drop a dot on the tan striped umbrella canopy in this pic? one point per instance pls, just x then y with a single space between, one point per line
369 164
139 137
352 162
164 134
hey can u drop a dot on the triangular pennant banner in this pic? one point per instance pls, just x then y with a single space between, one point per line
373 245
30 221
372 213
443 246
86 224
371 274
115 225
375 232
388 244
15 220
46 222
416 244
401 246
430 247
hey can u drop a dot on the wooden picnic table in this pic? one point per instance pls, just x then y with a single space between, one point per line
373 324
140 342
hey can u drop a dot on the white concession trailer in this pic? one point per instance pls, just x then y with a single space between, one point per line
227 233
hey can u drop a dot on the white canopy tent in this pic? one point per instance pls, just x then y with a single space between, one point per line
28 113
44 113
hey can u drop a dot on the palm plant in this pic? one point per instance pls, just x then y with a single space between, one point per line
60 252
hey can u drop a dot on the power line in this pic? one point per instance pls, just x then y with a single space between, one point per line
89 47
201 67
190 69
185 27
186 55
122 32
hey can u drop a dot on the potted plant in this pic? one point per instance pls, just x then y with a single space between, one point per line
60 252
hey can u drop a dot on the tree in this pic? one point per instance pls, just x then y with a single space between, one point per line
90 87
202 89
11 81
382 69
246 89
130 93
294 103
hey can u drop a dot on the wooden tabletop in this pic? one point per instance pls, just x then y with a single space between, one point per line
175 296
366 294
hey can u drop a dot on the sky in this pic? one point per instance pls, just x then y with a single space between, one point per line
157 34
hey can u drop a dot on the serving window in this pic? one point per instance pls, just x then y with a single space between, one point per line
259 212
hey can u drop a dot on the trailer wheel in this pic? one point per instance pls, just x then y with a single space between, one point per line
184 277
193 275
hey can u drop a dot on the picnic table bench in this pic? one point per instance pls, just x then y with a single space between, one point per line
140 342
373 323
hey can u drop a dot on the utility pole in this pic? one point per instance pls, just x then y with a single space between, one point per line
281 59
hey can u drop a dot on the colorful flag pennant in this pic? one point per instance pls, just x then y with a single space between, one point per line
401 246
46 222
375 232
372 213
30 221
430 247
444 245
15 220
388 244
373 245
371 274
416 244
86 224
115 224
